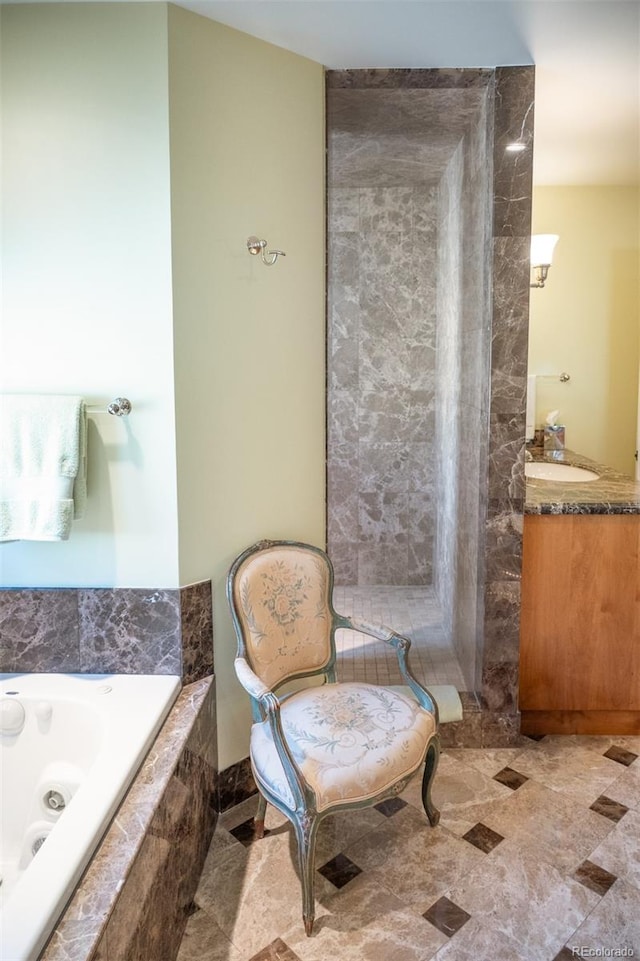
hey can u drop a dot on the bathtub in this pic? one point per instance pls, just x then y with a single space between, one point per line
70 747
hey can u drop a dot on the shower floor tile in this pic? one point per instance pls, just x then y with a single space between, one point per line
412 611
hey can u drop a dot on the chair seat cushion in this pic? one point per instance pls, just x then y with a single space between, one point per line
351 741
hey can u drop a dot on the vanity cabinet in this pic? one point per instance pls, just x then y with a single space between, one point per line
580 624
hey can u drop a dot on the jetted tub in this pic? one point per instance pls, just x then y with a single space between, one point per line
70 746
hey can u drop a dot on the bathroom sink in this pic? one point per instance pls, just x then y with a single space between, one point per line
559 472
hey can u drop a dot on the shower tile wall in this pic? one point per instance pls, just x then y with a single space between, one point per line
382 303
388 143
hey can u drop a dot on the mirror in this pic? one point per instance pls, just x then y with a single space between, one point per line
584 321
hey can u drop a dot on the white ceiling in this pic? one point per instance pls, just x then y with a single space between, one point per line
586 52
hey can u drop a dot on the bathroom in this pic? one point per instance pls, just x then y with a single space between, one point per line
139 294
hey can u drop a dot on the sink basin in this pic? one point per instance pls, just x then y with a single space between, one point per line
564 473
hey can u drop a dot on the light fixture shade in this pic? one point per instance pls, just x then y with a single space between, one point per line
542 247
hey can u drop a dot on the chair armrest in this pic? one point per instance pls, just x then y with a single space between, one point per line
401 645
379 631
249 679
270 709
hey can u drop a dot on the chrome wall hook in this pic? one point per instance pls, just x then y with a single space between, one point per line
256 246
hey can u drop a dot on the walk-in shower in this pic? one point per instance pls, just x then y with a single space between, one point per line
416 401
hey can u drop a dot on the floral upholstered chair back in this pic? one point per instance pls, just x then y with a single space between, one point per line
281 598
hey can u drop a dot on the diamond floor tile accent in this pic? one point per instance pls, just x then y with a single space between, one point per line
245 833
614 810
557 803
594 877
446 916
276 951
483 838
621 755
391 806
340 870
565 955
510 778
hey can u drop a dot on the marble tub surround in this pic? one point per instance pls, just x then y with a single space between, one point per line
136 894
612 493
536 852
108 630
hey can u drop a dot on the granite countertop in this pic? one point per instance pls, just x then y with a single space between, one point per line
612 493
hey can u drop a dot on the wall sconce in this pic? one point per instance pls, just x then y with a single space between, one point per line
542 246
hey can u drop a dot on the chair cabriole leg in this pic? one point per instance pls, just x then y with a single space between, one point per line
258 820
306 830
430 766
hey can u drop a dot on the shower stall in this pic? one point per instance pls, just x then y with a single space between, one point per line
427 339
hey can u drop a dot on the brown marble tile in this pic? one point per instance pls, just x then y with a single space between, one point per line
196 631
613 810
483 838
129 631
510 778
621 755
340 870
245 832
594 877
566 954
403 78
446 916
513 171
464 733
276 951
235 784
391 806
501 730
39 631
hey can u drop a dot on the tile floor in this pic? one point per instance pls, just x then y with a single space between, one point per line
536 858
413 611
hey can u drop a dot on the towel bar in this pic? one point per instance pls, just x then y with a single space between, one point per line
120 407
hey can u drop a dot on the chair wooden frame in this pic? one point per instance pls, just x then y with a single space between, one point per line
265 705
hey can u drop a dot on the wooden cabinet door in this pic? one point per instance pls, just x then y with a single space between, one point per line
580 619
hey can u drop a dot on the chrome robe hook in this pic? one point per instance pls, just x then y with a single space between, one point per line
256 246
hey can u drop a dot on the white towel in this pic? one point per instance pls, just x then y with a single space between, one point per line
43 461
531 407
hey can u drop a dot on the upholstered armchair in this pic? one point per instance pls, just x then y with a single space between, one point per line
326 747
